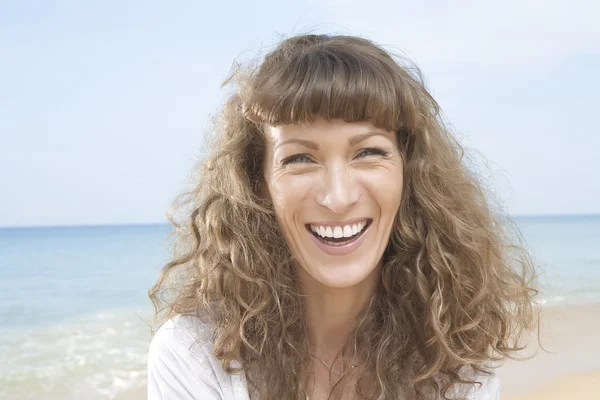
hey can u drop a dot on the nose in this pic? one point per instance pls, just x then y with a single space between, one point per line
339 189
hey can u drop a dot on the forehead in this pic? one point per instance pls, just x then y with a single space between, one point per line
322 129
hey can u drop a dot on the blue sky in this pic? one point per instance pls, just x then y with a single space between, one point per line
104 104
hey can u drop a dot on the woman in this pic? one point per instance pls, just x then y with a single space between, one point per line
337 246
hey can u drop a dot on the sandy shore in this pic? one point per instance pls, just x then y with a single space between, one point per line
570 370
579 387
571 367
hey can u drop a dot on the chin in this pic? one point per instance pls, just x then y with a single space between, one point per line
341 277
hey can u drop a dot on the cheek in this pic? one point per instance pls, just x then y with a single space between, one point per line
287 193
384 186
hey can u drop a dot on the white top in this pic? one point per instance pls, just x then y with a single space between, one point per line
178 369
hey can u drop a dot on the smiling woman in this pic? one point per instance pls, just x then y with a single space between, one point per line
337 246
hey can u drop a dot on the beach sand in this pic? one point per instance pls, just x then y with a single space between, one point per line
570 370
571 367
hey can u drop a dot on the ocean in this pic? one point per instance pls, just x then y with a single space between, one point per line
74 306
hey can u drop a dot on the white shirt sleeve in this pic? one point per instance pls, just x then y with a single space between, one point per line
489 390
173 375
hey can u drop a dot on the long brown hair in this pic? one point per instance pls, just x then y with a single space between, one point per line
457 284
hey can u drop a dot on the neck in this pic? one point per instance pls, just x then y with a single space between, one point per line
331 312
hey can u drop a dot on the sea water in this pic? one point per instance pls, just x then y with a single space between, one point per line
74 308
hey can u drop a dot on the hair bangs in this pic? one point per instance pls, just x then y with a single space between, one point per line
327 82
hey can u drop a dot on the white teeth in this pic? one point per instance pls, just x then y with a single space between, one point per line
347 231
338 231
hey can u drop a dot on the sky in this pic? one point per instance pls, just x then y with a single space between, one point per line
104 104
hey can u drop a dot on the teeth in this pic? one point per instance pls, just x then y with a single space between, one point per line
338 231
347 231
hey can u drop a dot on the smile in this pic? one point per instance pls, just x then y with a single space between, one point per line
339 239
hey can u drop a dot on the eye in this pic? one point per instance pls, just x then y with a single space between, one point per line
296 158
378 151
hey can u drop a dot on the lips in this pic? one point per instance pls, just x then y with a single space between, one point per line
340 246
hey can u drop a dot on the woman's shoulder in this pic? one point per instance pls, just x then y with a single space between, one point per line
187 331
488 390
181 363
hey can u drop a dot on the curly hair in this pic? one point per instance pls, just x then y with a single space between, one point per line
457 284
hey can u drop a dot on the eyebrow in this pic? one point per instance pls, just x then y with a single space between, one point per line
314 146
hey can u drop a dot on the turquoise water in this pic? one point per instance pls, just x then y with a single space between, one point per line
73 307
567 248
73 299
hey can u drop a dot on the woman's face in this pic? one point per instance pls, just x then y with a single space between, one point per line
336 189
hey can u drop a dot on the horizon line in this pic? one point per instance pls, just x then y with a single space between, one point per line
106 225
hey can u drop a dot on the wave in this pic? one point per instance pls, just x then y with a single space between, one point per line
96 356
